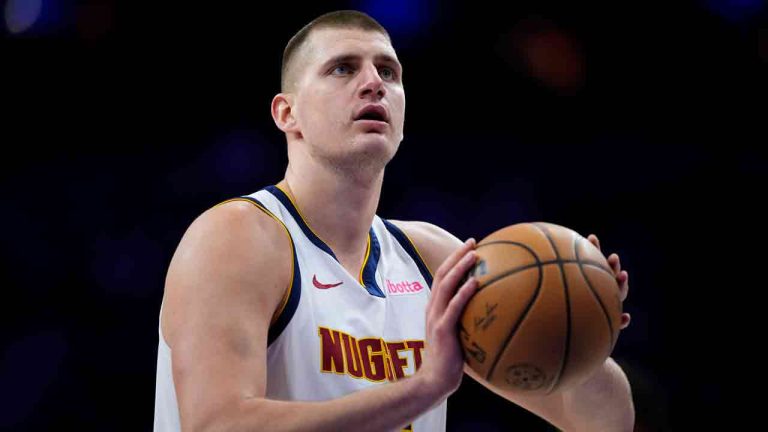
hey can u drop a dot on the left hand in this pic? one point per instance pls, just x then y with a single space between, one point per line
622 278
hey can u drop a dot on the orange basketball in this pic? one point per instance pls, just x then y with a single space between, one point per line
546 312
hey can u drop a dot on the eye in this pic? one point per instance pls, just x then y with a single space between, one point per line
387 73
342 69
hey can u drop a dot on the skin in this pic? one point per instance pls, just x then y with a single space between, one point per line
220 296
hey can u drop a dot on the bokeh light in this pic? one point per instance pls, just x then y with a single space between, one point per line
21 15
546 53
401 18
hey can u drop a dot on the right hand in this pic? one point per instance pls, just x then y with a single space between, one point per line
443 365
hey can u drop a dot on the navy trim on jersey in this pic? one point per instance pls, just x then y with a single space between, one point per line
290 307
369 273
409 247
276 328
283 198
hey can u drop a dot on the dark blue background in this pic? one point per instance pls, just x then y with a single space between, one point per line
643 123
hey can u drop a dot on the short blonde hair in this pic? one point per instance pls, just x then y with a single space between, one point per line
338 19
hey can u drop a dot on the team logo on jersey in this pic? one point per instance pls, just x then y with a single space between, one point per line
373 359
403 288
322 285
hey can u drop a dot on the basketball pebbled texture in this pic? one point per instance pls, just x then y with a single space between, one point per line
546 312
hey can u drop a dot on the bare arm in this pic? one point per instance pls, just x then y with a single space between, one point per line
225 282
602 403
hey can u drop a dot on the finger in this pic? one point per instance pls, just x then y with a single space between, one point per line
623 280
625 319
594 240
615 263
459 302
451 281
444 268
453 259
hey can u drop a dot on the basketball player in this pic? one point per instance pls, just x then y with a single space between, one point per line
298 309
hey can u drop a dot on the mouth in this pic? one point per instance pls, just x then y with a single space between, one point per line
372 126
372 114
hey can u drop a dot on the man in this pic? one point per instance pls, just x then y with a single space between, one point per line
297 308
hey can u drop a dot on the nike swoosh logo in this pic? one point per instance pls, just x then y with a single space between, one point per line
322 285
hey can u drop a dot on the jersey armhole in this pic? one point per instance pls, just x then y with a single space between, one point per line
410 248
290 301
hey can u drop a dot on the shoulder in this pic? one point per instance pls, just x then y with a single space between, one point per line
433 243
233 253
239 230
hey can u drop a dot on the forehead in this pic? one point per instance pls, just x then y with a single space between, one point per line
327 43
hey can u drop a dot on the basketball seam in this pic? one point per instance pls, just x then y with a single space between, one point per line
541 264
564 362
594 294
528 307
523 245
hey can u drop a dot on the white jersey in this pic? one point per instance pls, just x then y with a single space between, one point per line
335 333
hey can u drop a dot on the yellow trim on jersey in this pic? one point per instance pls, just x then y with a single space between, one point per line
287 294
365 260
290 198
368 248
431 273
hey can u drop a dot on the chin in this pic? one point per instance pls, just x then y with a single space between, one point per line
366 153
373 138
375 144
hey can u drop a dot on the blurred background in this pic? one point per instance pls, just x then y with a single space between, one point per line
641 122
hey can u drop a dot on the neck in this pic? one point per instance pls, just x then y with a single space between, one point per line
338 205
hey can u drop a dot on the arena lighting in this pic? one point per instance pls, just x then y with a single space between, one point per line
400 17
21 15
545 52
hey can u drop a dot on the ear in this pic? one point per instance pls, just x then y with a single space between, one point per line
282 112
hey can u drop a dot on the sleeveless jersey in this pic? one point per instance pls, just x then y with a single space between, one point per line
335 333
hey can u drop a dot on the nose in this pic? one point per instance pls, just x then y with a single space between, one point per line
372 84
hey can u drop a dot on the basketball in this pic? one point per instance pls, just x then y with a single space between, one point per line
546 312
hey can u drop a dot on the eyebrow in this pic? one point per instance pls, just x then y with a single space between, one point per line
346 58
